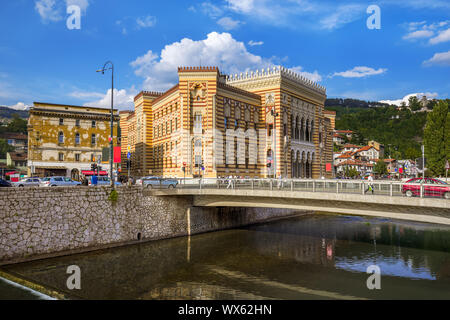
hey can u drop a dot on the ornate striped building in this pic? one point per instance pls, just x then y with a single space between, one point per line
214 125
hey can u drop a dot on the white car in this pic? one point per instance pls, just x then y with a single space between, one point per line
27 182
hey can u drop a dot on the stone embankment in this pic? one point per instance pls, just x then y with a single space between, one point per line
45 222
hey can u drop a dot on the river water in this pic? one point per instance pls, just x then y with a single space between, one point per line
321 256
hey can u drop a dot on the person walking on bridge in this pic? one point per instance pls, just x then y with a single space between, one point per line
370 183
230 182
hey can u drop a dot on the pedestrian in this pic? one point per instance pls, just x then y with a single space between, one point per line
370 183
230 182
280 182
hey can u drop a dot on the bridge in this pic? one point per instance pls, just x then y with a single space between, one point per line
425 203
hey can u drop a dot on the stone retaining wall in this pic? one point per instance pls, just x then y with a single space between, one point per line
40 222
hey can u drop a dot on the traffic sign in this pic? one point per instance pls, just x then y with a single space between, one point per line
447 165
128 155
184 164
128 148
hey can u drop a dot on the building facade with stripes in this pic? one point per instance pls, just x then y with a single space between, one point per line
267 123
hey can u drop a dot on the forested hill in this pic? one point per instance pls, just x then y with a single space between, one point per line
8 113
402 129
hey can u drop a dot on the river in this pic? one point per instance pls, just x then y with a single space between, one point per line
322 256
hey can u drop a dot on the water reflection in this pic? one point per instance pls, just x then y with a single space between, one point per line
309 257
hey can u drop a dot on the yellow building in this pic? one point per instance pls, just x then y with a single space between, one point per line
213 125
65 140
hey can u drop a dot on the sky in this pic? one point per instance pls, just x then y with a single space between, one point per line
43 58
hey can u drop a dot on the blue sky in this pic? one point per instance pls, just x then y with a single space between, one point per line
327 41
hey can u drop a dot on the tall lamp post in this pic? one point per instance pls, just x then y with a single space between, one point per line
112 118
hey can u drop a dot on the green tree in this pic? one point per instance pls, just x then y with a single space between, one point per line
437 138
412 153
380 167
17 125
4 148
414 103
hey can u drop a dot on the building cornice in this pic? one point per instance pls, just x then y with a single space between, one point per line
276 72
72 114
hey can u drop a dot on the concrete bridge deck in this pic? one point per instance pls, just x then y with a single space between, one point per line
431 210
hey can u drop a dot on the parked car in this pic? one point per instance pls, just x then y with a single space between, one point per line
104 181
27 182
4 183
431 188
58 182
158 183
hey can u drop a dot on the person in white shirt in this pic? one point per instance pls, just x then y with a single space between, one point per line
370 183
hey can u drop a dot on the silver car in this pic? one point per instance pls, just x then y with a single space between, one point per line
58 182
158 183
27 182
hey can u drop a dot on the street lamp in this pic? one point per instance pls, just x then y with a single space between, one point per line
112 118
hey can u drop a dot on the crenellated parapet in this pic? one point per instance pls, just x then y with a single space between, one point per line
198 69
278 71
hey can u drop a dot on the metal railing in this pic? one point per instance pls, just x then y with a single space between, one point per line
362 187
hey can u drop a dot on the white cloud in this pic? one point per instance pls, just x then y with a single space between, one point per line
359 72
83 4
418 34
145 22
405 99
55 10
229 24
123 99
20 106
419 4
211 10
441 58
314 76
342 15
255 43
49 10
218 49
422 30
443 36
83 95
244 6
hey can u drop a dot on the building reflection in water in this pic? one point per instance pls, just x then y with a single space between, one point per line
299 258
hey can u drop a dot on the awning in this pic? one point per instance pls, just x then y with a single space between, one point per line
92 173
51 167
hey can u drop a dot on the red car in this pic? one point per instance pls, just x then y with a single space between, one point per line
431 188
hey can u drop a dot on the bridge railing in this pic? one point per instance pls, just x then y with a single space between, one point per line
380 187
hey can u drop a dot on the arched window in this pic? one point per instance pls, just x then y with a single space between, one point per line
61 137
77 138
302 130
307 131
93 139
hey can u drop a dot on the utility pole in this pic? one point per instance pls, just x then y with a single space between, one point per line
111 143
423 162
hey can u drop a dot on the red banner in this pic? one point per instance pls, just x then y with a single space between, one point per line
117 154
328 167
